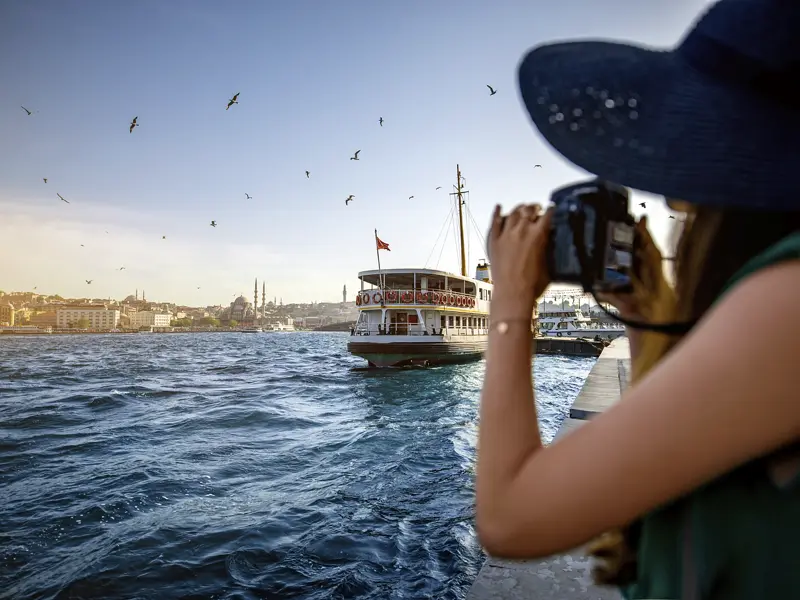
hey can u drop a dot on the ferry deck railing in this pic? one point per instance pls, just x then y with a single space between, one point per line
414 329
405 297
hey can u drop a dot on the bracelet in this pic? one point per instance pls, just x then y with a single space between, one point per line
502 326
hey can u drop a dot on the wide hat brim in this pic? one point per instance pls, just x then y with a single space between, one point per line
648 120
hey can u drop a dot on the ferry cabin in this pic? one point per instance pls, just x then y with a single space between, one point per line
421 302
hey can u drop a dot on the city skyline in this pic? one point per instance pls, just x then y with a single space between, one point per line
307 102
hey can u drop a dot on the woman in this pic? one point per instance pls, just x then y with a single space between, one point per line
692 481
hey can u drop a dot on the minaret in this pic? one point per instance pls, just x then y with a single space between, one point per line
344 294
137 293
263 301
255 301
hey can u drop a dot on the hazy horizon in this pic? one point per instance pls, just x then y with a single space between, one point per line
314 78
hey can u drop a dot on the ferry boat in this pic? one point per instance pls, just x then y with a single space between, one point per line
423 317
280 325
251 330
573 324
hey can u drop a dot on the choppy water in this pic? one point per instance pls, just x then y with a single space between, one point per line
239 466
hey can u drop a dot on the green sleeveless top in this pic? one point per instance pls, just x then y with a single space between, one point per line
737 537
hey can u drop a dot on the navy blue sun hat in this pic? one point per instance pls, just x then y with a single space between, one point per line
714 121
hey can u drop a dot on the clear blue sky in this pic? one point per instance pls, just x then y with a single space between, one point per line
314 78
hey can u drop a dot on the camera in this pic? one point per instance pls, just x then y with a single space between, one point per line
592 237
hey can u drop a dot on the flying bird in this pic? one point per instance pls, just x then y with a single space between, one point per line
134 124
45 179
439 187
163 237
89 281
233 101
81 245
410 197
249 197
671 217
26 110
642 204
355 156
121 269
492 91
308 174
349 199
198 287
380 121
62 197
213 223
535 166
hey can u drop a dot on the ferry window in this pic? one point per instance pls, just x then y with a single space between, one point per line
562 325
442 322
450 321
458 321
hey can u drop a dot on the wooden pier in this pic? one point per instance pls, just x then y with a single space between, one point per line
566 576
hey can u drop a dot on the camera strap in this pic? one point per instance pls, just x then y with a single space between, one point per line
577 222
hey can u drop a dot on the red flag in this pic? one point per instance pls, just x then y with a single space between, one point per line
381 244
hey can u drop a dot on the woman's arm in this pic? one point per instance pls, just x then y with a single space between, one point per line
726 395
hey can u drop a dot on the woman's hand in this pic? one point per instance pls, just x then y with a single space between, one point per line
517 254
651 292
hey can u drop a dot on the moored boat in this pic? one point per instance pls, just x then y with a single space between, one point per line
573 324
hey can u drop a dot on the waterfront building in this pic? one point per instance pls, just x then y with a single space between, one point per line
44 319
98 316
148 318
7 314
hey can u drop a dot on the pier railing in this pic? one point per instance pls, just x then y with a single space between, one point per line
444 298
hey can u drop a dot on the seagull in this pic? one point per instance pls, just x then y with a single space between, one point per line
45 179
439 187
410 197
308 174
163 237
62 197
671 217
81 245
26 110
121 268
134 124
642 204
249 197
380 121
89 281
213 223
349 199
492 91
198 287
355 156
106 233
233 101
535 166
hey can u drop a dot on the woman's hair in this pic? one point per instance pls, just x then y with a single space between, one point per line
714 244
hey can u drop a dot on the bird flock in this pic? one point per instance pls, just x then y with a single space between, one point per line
231 102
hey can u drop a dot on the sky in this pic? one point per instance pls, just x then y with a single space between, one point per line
314 77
